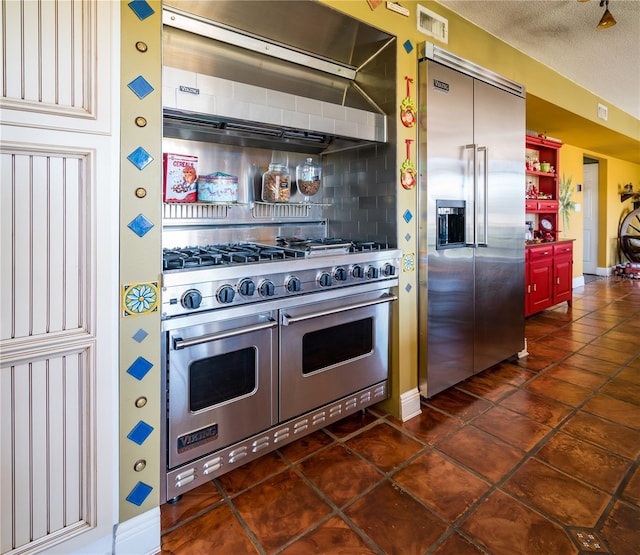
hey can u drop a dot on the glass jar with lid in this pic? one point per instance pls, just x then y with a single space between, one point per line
308 178
276 186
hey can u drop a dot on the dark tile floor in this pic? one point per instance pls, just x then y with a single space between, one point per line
532 457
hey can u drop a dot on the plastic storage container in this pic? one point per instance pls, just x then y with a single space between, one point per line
276 185
308 178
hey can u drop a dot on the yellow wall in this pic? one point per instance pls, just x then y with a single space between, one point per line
613 174
617 173
140 194
570 167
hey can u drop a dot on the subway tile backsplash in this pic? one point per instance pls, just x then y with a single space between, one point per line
361 193
359 185
221 97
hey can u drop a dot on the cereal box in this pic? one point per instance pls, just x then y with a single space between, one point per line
180 174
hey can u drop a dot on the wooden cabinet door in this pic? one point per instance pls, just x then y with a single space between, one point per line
541 282
562 278
562 273
539 273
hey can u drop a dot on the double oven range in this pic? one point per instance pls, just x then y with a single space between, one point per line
265 343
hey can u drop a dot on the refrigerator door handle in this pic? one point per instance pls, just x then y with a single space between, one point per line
485 197
473 225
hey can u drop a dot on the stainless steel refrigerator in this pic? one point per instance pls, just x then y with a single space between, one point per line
472 223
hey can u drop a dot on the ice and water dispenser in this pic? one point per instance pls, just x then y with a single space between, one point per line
451 224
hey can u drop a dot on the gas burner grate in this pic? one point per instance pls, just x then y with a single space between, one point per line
364 246
190 257
250 252
185 258
244 253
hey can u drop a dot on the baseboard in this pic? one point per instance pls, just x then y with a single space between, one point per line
140 534
524 351
605 271
409 404
577 282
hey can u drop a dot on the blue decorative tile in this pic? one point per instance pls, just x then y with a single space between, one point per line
407 216
407 237
140 335
140 158
140 225
141 8
139 368
140 86
408 288
140 432
408 46
139 493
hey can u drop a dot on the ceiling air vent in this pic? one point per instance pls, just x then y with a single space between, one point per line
432 24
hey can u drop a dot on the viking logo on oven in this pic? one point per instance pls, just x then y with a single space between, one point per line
190 90
192 440
440 85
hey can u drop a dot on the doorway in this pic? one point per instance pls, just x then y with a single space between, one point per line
590 169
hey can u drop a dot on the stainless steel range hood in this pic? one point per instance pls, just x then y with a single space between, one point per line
274 75
204 127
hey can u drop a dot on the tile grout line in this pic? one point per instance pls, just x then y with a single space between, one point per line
534 450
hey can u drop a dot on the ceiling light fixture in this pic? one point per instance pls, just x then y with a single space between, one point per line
607 19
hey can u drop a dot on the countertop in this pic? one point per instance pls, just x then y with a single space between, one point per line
535 244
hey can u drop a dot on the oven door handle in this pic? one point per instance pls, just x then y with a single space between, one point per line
286 319
179 343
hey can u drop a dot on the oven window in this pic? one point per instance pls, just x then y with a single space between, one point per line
220 378
337 344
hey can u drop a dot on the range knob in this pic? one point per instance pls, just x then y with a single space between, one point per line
267 288
293 285
225 294
388 270
373 272
325 279
340 274
246 288
191 299
357 271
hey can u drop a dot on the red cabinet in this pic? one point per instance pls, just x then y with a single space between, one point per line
542 161
549 275
549 265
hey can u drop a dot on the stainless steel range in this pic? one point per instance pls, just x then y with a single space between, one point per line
265 343
270 328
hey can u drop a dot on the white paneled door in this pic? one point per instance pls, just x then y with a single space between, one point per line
590 211
58 274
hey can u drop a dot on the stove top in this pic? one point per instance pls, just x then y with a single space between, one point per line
245 253
216 255
219 276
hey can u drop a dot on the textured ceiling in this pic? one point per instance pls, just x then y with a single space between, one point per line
562 34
